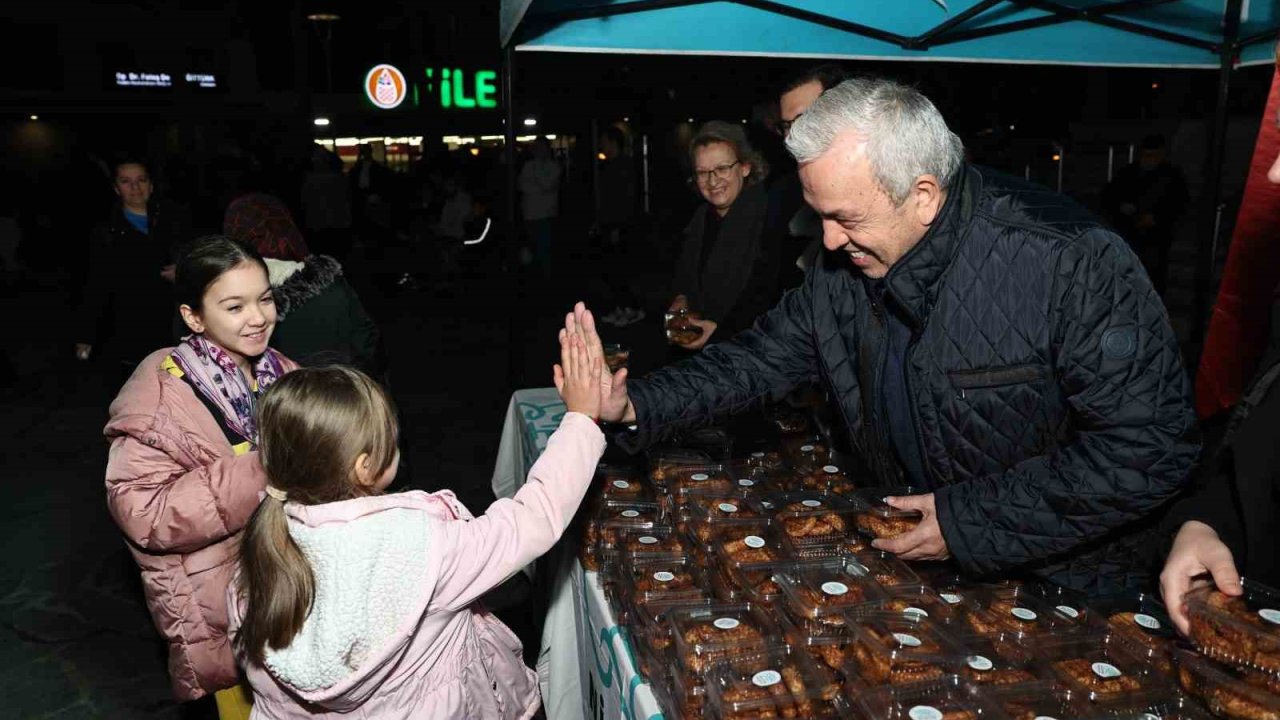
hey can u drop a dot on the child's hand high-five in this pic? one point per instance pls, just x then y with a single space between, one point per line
577 376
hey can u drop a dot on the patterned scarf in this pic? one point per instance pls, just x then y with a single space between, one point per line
214 375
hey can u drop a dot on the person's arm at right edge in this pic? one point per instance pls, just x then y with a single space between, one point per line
482 553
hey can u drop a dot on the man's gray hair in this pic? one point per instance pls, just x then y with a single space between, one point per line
906 135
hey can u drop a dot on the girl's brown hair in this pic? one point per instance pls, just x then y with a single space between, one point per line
314 424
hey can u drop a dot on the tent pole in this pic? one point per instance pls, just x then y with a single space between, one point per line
511 259
1213 171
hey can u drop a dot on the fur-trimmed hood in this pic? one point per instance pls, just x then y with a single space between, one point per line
295 283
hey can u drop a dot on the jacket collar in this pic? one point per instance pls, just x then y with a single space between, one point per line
914 280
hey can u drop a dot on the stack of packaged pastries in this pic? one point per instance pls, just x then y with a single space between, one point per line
748 588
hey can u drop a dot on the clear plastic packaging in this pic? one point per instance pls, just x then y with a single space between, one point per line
1015 612
767 460
877 519
1242 631
1226 691
900 649
1101 674
827 645
613 518
999 661
888 570
1039 700
1071 603
641 544
776 683
805 449
807 519
661 580
622 483
712 514
747 547
942 698
666 462
915 601
825 592
820 474
705 635
1139 623
705 479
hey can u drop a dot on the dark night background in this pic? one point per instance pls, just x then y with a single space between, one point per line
75 640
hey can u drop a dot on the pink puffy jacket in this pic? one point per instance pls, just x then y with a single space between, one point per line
395 632
181 495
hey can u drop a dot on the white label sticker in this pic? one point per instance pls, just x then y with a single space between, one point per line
1046 717
757 454
630 513
1149 716
699 477
1106 671
915 611
834 588
728 507
663 576
1024 614
829 469
753 541
1147 621
648 540
1069 611
980 663
924 712
744 482
621 484
811 503
806 448
952 598
765 678
859 567
906 640
726 623
1270 615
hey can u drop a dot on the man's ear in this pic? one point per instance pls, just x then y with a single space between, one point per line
928 195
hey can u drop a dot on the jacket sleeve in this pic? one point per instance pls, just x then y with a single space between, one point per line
478 555
776 354
162 507
1118 368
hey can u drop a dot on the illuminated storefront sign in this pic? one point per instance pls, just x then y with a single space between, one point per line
442 87
164 80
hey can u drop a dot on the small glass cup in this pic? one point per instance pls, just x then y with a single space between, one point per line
616 356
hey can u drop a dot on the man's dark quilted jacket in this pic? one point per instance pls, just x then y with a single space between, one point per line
1050 402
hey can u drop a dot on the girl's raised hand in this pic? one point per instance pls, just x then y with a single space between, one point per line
577 376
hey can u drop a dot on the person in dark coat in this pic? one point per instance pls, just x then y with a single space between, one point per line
1225 527
1145 201
128 309
320 320
726 271
986 340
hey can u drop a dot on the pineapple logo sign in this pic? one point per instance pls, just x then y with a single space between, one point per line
385 86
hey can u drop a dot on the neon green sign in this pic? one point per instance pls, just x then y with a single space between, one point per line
457 90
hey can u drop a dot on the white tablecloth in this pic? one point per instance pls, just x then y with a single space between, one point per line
586 666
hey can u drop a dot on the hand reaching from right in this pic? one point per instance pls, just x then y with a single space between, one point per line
577 376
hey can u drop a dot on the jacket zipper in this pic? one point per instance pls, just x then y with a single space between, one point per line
877 377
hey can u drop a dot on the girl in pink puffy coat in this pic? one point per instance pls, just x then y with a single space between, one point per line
183 475
352 603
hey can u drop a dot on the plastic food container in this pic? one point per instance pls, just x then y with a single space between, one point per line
998 661
915 601
1243 632
648 619
659 580
943 698
888 570
789 421
812 518
666 462
641 544
1071 603
1039 700
768 460
822 475
827 645
805 449
1015 612
699 479
747 547
776 683
706 635
753 582
900 649
713 514
877 519
1101 675
621 483
824 592
613 518
1226 691
1139 623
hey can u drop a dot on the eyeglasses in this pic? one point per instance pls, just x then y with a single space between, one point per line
722 172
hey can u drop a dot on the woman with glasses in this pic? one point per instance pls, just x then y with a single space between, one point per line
726 274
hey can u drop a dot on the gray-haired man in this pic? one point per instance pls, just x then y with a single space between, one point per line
988 341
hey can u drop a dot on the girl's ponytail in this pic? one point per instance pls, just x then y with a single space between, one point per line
277 581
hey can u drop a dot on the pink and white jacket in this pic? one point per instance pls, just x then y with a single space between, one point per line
394 630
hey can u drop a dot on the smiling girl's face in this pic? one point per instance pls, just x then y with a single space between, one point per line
237 313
